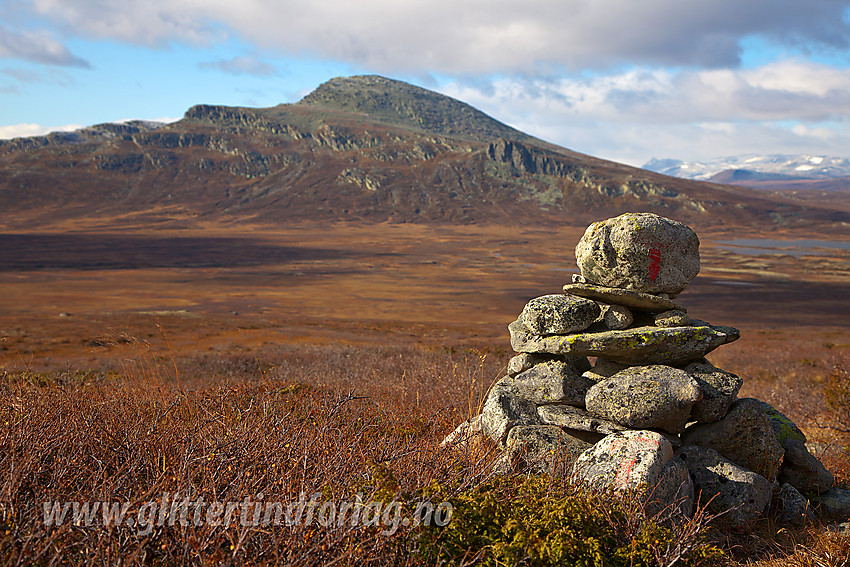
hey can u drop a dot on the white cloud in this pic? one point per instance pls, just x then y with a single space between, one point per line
36 46
472 36
827 134
790 90
27 130
634 115
145 22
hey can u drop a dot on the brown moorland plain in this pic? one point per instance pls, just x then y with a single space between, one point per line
235 360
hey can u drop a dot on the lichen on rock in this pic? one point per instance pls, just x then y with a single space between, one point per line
639 251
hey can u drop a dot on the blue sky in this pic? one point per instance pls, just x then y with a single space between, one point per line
618 79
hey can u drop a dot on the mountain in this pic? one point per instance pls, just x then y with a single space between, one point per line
363 148
408 107
802 178
774 167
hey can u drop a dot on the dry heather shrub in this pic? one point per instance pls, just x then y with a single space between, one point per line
812 548
285 420
836 393
129 437
836 421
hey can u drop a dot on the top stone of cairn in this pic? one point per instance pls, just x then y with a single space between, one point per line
640 252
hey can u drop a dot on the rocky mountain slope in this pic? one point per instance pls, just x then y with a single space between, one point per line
360 148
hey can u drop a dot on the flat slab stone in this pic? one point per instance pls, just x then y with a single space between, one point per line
577 418
618 296
639 346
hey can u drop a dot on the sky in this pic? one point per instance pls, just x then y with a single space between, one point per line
624 80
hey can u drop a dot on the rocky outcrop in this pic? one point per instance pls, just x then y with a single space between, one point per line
361 148
523 159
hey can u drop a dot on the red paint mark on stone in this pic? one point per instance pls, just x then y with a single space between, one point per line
621 479
655 266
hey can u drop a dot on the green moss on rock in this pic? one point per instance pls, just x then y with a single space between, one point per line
784 429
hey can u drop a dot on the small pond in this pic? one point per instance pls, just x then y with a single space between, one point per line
799 247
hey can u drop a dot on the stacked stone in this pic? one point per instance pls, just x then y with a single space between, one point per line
652 414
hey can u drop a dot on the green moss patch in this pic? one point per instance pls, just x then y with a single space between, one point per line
541 521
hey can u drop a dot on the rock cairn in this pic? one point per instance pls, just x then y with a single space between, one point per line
652 414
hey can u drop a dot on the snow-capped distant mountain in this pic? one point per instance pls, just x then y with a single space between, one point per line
776 167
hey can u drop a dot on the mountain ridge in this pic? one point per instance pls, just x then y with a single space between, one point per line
362 148
789 166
